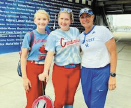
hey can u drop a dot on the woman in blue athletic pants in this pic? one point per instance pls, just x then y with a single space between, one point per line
99 60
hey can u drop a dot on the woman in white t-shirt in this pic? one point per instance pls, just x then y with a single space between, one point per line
99 60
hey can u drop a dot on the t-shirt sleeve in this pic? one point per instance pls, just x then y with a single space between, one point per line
51 43
107 35
78 32
26 41
81 38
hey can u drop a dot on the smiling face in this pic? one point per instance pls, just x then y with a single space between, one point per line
64 21
41 20
86 20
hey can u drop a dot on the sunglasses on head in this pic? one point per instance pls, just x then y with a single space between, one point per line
86 10
65 10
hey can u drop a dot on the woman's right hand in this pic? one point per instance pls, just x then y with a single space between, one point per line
27 84
44 76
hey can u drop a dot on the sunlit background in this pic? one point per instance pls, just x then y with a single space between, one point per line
122 20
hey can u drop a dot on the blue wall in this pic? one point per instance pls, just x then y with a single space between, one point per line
16 18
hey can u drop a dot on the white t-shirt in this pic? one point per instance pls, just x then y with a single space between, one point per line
95 53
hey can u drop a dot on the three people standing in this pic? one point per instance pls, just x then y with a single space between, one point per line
99 60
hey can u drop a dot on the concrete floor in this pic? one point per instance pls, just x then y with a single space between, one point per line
12 92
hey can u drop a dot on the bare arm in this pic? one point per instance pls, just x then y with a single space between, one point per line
113 54
48 60
26 81
113 62
23 62
44 76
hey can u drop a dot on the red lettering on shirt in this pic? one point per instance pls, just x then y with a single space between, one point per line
40 40
61 42
69 42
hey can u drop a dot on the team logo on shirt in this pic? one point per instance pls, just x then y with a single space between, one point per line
71 42
43 51
93 32
88 41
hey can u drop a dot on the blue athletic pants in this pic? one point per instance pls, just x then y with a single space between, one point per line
94 83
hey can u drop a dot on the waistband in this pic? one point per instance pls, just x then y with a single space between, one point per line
69 66
98 67
35 62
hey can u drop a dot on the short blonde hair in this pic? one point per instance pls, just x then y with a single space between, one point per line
71 15
42 11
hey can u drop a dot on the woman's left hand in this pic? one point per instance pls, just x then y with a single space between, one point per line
112 83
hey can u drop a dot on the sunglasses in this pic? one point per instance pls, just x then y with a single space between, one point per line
86 10
65 10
